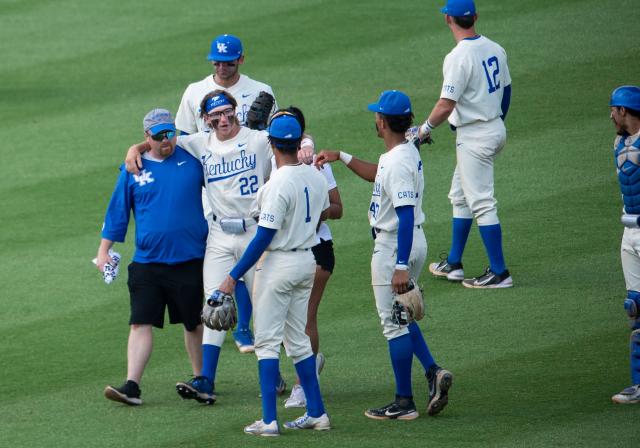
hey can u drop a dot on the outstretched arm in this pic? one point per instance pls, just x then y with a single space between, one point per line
366 170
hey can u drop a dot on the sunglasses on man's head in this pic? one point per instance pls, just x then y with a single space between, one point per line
162 135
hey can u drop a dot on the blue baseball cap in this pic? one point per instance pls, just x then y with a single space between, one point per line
285 127
158 120
459 8
626 96
225 48
392 102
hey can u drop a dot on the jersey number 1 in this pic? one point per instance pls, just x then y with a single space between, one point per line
491 64
306 193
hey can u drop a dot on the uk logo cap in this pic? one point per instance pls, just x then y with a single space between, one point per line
392 102
225 48
285 127
626 96
459 8
158 120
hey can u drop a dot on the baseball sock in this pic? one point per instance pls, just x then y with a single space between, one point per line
420 347
459 235
268 372
243 302
306 370
401 352
210 356
492 239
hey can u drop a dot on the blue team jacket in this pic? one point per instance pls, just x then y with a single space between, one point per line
166 199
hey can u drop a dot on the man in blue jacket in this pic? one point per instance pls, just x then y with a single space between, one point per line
171 233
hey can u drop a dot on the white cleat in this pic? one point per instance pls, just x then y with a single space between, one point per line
321 423
260 428
297 398
629 395
452 271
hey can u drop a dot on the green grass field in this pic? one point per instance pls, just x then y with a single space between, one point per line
534 366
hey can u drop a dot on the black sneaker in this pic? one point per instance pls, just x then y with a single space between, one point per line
452 271
440 381
198 388
128 393
490 280
401 409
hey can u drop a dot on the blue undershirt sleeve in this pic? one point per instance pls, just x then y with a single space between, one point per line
405 233
506 101
116 219
254 251
184 133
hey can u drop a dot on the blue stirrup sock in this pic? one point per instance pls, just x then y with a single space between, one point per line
492 239
401 353
420 347
210 356
243 302
268 372
459 235
306 370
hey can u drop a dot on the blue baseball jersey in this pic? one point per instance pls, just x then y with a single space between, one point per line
167 206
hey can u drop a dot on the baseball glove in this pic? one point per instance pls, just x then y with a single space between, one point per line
219 313
260 110
408 307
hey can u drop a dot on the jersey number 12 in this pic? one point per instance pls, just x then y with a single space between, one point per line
491 64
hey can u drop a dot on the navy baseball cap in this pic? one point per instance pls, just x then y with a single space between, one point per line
285 127
225 48
626 96
459 8
158 120
392 102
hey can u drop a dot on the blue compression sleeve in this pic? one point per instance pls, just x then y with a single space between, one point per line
254 251
405 233
506 101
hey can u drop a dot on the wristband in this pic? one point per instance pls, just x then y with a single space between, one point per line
427 127
402 267
345 157
307 142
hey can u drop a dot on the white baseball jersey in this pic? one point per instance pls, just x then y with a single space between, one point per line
399 181
323 232
475 74
244 91
234 169
292 202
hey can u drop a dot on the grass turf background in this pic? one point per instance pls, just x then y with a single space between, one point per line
534 365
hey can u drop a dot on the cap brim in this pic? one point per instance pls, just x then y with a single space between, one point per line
218 58
374 107
162 127
444 10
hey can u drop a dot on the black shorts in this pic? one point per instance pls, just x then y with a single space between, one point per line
323 253
154 286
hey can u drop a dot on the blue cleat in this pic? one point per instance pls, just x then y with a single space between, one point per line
198 388
244 340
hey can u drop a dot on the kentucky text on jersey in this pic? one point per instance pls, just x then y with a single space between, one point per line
228 168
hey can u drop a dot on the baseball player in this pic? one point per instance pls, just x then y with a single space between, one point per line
226 56
625 114
475 99
396 218
171 232
324 256
236 163
291 204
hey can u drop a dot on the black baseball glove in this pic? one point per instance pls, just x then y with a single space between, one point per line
260 110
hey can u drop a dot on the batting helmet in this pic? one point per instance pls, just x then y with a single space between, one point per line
225 48
626 96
